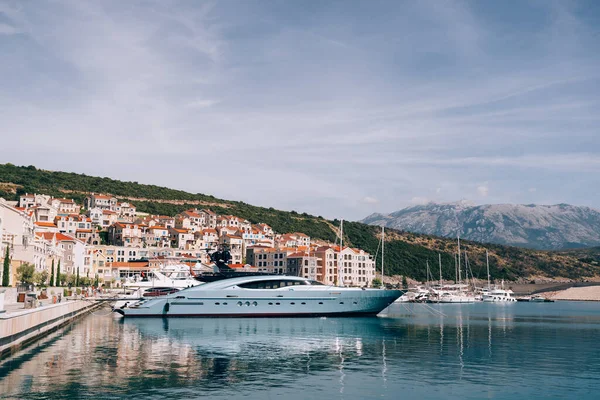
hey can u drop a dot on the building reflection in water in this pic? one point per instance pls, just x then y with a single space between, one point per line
458 343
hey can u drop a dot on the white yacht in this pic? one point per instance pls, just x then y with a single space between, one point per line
497 295
173 276
458 293
265 296
418 294
459 297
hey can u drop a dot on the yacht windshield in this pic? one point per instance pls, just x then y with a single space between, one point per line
271 284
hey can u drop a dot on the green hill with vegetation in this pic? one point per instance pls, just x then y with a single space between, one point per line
406 253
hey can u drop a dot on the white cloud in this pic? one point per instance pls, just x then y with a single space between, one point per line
532 190
200 103
370 200
419 200
483 190
7 29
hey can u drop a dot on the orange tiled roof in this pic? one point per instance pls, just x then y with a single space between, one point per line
140 264
61 237
46 224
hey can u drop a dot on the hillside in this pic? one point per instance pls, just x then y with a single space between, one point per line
406 253
544 227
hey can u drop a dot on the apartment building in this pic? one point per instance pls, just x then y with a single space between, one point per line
357 268
101 201
271 260
65 206
304 265
72 223
157 236
234 243
181 238
125 234
210 218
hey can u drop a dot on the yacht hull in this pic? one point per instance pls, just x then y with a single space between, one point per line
335 302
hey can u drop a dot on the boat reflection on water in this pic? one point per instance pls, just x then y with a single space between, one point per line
274 337
418 350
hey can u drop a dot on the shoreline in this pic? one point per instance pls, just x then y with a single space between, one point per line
591 293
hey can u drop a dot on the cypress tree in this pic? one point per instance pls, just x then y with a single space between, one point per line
77 278
6 269
52 275
58 282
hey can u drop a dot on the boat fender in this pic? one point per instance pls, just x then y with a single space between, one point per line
166 309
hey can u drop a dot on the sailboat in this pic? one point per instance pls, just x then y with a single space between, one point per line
454 293
495 294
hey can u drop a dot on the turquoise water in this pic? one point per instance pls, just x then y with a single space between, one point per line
469 351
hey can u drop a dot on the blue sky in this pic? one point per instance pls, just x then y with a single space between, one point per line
336 108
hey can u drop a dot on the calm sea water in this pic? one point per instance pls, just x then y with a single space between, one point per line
474 351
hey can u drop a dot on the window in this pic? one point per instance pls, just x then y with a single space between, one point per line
271 284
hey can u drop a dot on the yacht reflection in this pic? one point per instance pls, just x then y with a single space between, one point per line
265 338
225 351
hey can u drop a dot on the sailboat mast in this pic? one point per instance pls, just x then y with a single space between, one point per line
382 251
440 261
459 271
466 268
455 269
340 275
487 262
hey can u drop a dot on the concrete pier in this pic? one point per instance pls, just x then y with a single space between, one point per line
20 327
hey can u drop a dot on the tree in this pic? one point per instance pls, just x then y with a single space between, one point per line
51 283
6 268
70 279
25 273
96 282
77 278
376 282
58 276
40 278
404 282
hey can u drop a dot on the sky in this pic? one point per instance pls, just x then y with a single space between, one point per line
335 108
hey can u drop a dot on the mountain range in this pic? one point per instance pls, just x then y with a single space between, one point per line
544 227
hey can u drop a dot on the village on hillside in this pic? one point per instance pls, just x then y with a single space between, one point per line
107 241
